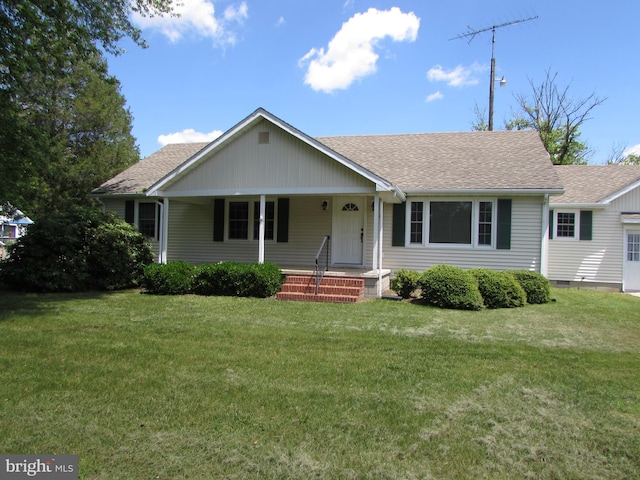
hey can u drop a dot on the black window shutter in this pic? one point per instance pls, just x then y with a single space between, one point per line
586 224
504 224
550 224
129 211
398 230
218 220
158 221
283 220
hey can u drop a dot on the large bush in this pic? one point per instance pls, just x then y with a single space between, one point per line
446 286
173 278
236 279
405 282
535 285
499 289
76 250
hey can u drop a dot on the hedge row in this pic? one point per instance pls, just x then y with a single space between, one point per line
446 286
219 279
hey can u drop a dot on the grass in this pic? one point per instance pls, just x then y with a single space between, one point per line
193 387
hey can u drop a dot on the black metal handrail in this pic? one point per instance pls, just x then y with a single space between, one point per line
322 261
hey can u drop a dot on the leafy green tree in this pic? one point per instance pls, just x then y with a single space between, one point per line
47 48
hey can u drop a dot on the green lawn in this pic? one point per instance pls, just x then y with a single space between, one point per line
146 387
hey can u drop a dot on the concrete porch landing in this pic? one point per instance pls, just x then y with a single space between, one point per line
339 285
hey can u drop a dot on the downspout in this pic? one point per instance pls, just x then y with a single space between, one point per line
544 244
164 222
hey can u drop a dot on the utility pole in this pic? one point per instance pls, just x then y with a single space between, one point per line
472 33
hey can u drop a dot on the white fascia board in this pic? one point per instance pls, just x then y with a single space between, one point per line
266 191
485 192
578 206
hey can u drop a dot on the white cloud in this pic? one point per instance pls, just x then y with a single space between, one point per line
350 54
434 96
197 18
188 135
280 22
635 150
460 76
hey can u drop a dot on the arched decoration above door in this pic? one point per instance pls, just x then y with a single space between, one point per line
350 207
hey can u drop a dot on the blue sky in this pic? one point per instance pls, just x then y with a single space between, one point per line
349 67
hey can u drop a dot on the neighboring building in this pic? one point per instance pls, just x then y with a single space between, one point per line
595 234
12 227
265 191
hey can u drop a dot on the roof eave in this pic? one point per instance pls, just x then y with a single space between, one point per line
488 191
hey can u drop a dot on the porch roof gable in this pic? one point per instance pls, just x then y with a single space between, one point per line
257 116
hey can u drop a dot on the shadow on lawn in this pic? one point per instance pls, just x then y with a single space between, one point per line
13 303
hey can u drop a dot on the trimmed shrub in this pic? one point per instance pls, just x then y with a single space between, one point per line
76 250
446 286
405 282
173 278
535 285
499 289
237 279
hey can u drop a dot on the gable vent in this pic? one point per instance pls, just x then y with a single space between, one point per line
263 138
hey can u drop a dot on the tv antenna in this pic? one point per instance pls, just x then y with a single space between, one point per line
472 33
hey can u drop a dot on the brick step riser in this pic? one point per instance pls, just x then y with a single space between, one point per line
324 289
339 281
306 297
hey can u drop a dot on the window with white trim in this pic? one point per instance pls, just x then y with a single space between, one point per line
269 220
147 219
453 222
566 225
239 226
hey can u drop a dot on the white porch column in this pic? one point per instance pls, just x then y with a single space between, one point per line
380 252
376 226
263 207
544 241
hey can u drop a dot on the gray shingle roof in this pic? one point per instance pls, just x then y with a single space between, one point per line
588 184
465 161
139 177
500 160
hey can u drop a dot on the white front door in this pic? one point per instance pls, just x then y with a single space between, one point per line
632 260
348 230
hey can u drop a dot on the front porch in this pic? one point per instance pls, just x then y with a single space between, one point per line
338 285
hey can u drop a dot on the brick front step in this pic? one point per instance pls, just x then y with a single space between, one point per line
302 288
311 297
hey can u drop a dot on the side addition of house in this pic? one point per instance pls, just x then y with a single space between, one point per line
595 228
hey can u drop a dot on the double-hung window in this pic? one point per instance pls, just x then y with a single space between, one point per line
566 225
269 220
147 223
240 228
448 222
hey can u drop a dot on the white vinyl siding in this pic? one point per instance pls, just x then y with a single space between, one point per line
526 227
191 235
596 260
285 166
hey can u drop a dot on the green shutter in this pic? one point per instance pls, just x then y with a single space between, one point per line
504 224
586 224
399 219
218 220
551 224
129 211
283 220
